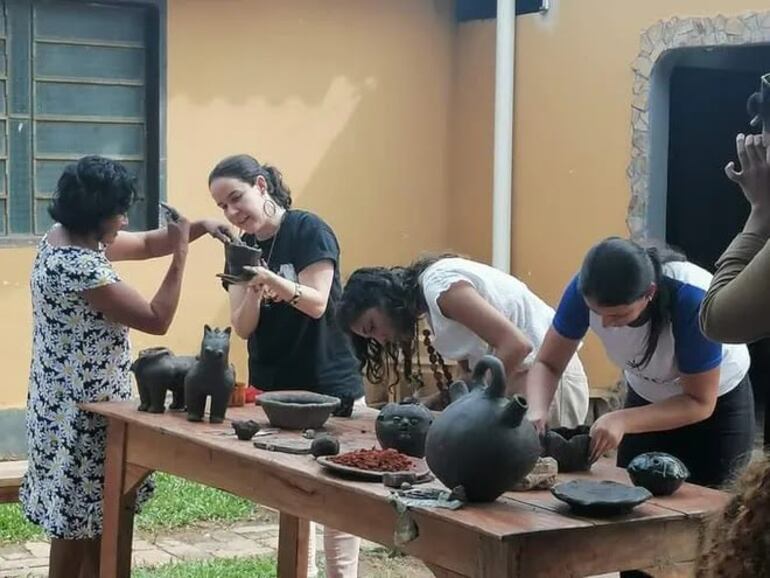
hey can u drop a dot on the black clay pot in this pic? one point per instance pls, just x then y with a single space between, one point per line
481 441
569 447
239 255
404 427
662 474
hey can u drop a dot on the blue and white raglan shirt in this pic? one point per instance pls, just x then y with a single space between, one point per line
682 348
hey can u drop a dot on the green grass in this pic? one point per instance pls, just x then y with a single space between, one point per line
14 526
232 568
177 503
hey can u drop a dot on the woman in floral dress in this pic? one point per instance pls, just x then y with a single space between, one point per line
82 312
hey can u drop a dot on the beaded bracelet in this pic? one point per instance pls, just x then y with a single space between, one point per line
297 295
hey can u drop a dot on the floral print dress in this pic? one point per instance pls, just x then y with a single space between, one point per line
77 356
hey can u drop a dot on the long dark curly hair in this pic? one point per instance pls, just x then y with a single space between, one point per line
737 543
395 291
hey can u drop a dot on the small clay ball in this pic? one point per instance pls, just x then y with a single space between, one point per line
406 486
309 434
325 446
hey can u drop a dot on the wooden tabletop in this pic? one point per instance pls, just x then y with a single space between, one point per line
511 516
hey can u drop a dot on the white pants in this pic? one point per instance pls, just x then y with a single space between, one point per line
340 551
340 548
569 407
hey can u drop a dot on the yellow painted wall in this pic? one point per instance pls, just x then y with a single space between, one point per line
380 114
572 132
348 98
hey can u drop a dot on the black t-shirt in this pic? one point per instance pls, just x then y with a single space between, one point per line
288 349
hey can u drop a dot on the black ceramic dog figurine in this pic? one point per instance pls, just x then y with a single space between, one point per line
210 375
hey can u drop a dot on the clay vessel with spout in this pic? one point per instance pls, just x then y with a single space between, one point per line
482 440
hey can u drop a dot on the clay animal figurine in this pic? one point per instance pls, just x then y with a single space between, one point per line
660 473
157 370
481 441
404 427
210 375
569 447
245 429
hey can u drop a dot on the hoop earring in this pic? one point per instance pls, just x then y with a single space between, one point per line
269 208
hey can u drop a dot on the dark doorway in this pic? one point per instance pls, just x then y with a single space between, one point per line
705 210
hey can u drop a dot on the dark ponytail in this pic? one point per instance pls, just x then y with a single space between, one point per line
618 272
246 168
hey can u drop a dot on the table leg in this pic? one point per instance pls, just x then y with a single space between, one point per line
497 558
293 535
118 507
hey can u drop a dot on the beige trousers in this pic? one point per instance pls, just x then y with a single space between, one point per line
340 548
569 407
340 551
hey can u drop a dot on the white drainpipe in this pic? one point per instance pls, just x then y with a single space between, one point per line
503 159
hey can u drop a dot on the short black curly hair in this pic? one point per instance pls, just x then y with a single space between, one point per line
90 191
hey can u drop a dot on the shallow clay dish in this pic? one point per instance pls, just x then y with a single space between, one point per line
600 499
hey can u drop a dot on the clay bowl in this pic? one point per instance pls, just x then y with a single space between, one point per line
239 255
569 447
297 409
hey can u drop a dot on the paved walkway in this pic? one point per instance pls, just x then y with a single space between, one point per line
239 540
245 539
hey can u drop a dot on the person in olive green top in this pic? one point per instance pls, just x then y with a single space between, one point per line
736 308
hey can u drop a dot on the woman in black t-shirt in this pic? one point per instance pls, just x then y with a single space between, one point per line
286 311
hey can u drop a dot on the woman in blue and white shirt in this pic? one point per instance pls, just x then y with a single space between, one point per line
687 396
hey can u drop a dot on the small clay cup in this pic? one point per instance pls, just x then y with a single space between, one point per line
238 255
245 430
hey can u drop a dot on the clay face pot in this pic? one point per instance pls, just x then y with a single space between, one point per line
238 255
404 427
481 441
245 430
569 447
660 473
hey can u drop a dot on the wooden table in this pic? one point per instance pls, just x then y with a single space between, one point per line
525 534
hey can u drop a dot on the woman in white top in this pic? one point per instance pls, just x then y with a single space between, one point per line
687 396
471 308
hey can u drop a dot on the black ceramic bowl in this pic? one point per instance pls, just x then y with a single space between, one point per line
239 255
297 409
569 447
659 472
